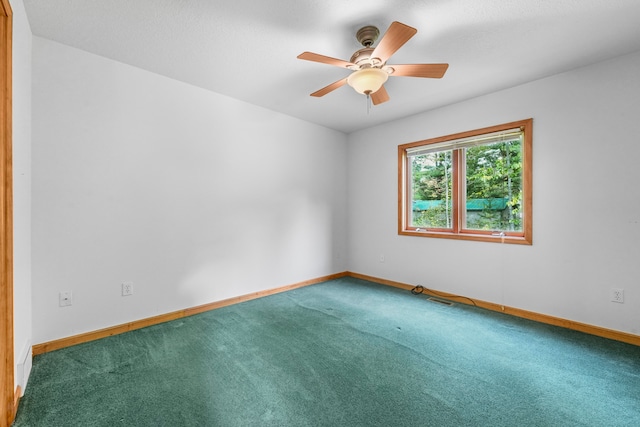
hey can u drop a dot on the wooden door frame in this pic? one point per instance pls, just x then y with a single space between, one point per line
7 394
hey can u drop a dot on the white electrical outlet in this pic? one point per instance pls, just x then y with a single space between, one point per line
65 298
381 258
127 289
617 295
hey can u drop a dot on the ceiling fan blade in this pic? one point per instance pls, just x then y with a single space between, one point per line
397 35
434 71
315 57
333 86
380 96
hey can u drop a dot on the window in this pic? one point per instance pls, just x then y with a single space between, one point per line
473 185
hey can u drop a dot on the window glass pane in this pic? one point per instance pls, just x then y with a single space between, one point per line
494 186
431 186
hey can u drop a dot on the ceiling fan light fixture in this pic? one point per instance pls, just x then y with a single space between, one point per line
367 80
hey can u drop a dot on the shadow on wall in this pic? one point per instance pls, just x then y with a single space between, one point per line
262 245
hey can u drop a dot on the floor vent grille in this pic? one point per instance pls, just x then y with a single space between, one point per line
440 301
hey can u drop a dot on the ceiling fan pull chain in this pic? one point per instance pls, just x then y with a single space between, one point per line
368 103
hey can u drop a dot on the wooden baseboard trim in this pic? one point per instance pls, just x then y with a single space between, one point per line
530 315
16 402
150 321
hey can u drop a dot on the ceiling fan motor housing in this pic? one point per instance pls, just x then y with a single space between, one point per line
362 57
368 35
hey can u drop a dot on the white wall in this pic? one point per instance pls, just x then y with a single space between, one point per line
586 203
196 197
21 192
193 196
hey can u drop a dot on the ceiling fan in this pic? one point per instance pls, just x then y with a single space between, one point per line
369 64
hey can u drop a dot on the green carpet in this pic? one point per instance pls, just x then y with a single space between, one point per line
341 353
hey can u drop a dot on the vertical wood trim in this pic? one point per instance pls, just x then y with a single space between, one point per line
16 400
403 215
527 179
457 199
7 396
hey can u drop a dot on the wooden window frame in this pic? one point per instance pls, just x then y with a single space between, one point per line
457 232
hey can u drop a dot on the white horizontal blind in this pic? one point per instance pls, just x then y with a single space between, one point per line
454 144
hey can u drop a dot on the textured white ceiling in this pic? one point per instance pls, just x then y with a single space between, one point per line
247 49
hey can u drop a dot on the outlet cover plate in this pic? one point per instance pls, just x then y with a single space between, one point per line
65 298
127 289
617 295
